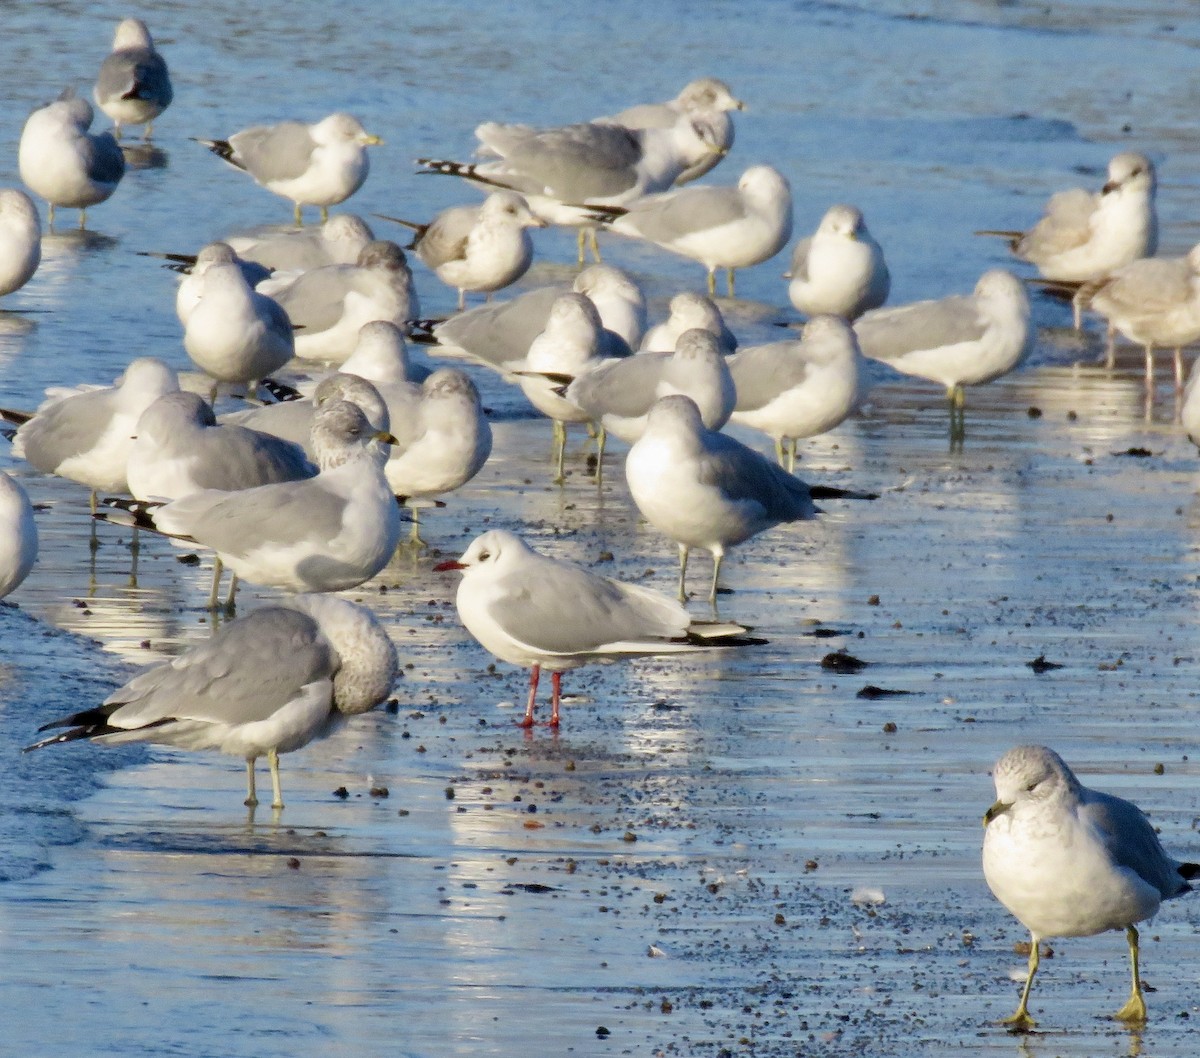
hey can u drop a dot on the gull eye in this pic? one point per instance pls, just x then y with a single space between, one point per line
1033 786
484 556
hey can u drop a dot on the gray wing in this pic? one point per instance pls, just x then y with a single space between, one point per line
762 372
234 457
1066 224
289 421
273 152
744 476
674 214
1131 840
500 334
645 116
1146 287
625 388
446 237
134 73
316 300
236 523
889 333
65 429
247 671
799 269
578 162
566 610
103 160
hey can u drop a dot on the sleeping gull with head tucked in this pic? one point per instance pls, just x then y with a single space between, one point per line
18 535
133 86
64 163
268 683
20 239
839 269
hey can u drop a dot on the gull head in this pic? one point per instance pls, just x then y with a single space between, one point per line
449 383
698 344
343 128
1130 170
16 205
843 220
675 413
1030 776
493 551
708 93
829 338
132 33
341 432
509 208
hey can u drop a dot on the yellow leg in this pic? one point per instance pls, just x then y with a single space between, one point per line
251 793
273 760
560 446
581 246
298 216
1020 1019
1134 1010
324 214
712 594
683 557
216 583
729 281
780 449
712 283
594 244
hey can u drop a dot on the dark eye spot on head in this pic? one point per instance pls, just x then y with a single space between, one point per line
484 556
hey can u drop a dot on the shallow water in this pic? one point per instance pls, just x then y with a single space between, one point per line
678 865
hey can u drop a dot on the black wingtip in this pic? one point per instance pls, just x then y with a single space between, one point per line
828 492
1189 870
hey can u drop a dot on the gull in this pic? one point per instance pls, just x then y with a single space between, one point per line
795 389
499 336
618 396
839 269
962 340
533 610
20 239
65 164
187 296
268 683
689 310
1072 862
87 435
1154 301
313 165
233 333
704 489
291 420
179 448
477 249
1083 235
329 305
337 241
18 535
706 97
441 445
568 348
133 86
719 226
561 171
327 533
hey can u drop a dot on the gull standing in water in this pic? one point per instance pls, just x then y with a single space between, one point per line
313 165
64 163
532 610
1072 862
1154 301
962 340
87 435
721 227
796 389
704 489
477 249
133 86
839 269
268 683
327 533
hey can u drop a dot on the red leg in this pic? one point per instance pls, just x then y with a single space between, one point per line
555 695
534 675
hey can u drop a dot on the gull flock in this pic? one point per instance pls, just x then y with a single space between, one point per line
304 490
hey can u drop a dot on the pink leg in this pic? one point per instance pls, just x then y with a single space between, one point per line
555 695
534 675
